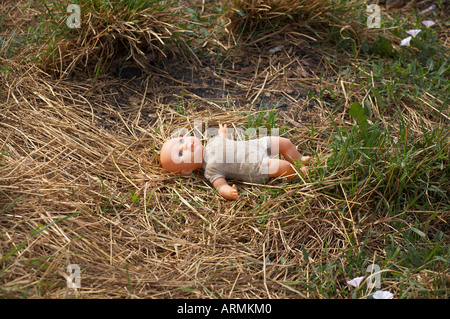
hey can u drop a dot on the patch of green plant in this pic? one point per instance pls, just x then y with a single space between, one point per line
1 155
396 165
381 46
262 119
109 207
4 210
418 250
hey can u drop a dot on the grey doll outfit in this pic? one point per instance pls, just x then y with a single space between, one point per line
239 160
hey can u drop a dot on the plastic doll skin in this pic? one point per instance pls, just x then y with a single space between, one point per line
189 154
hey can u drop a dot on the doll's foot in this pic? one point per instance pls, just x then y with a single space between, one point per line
306 159
291 177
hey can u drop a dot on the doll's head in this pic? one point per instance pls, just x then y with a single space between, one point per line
182 155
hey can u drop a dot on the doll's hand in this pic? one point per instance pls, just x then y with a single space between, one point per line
223 131
229 192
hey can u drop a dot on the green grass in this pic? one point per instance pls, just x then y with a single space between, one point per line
403 173
408 180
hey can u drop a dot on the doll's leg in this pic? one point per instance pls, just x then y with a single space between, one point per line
278 167
287 149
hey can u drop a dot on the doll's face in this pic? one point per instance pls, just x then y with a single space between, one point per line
182 155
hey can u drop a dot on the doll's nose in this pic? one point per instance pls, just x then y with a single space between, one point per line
189 145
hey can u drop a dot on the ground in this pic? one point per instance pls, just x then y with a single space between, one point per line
81 182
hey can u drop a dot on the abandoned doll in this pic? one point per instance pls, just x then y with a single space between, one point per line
224 158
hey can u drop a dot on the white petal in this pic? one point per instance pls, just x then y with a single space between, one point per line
405 42
413 32
381 294
428 23
355 281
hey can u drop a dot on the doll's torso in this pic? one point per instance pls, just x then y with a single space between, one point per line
237 160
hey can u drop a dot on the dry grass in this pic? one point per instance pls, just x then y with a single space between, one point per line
109 35
274 16
270 12
80 166
179 240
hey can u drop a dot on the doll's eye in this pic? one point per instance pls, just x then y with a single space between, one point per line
180 154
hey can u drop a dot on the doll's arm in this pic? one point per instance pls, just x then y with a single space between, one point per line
223 131
227 191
